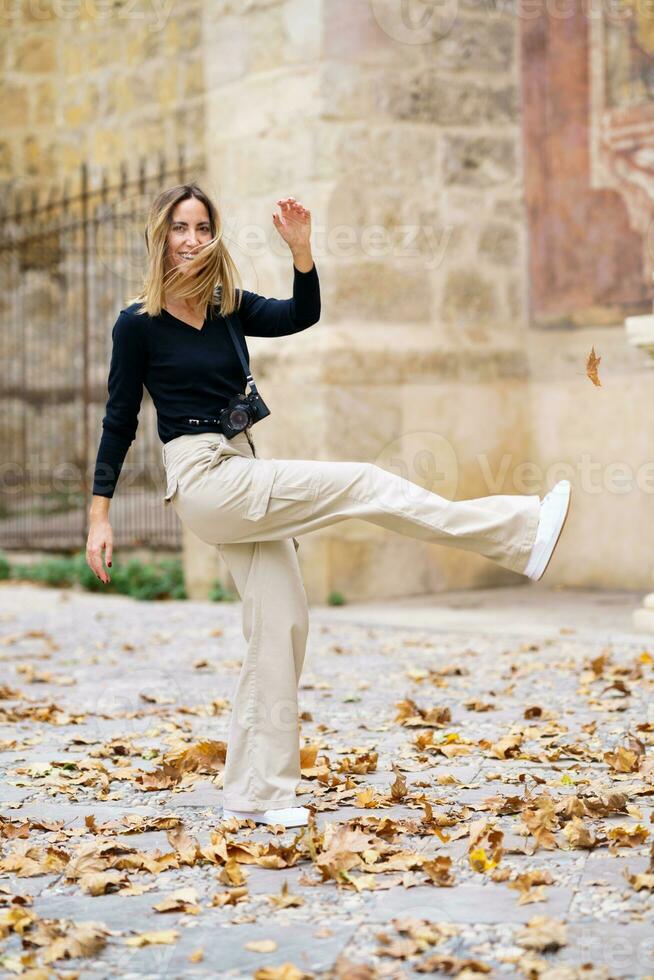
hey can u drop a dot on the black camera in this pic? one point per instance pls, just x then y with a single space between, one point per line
242 411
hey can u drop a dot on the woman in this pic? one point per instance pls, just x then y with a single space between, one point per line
174 340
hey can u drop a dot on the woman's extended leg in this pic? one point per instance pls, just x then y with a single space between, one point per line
251 509
245 499
262 769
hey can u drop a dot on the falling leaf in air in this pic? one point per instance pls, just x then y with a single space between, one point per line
592 364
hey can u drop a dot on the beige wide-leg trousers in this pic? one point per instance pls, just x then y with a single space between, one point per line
251 509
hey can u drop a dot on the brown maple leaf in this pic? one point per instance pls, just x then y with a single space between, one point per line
592 364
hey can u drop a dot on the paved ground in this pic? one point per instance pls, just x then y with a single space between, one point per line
479 764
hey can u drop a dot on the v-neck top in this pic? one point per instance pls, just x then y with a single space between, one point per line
191 326
188 371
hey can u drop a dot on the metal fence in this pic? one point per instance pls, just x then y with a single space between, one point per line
68 265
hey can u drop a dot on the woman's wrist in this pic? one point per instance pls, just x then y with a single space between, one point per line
302 259
99 509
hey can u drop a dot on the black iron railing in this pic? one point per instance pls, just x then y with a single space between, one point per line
68 265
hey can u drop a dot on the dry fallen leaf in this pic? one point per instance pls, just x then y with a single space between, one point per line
439 870
623 760
592 364
287 971
72 939
182 900
543 934
579 834
261 945
162 937
284 899
485 846
641 881
437 963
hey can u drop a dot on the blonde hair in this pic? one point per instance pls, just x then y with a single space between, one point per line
209 278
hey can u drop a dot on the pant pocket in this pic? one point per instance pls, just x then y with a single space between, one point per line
171 488
263 474
293 491
266 483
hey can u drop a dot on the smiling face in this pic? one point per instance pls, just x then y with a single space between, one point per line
190 228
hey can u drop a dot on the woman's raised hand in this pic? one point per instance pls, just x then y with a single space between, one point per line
294 224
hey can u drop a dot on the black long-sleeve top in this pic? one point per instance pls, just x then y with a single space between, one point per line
187 370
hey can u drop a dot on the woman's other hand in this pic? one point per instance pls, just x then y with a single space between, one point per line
294 224
100 538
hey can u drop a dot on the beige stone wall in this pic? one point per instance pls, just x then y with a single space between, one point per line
344 111
84 79
409 156
602 439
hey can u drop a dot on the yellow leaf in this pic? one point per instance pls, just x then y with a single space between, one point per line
479 860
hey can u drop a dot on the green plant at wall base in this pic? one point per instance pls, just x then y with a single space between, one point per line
336 599
57 572
149 581
219 593
140 580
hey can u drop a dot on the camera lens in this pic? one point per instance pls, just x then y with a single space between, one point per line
238 418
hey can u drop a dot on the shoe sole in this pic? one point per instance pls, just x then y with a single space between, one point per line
558 537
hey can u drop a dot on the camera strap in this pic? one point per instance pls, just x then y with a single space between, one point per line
239 350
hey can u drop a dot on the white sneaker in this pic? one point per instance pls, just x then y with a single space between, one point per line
554 509
292 816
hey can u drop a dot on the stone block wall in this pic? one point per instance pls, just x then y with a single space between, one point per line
405 139
92 81
408 155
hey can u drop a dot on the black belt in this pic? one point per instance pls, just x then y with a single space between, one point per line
201 421
198 420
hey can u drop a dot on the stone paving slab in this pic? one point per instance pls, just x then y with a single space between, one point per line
625 949
149 675
465 904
